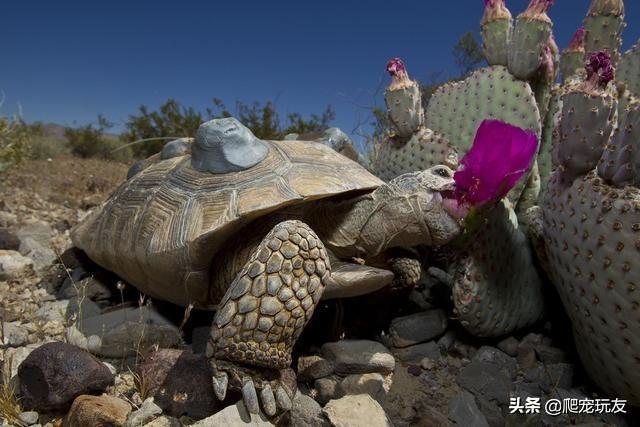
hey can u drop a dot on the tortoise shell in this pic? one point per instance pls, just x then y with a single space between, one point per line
161 228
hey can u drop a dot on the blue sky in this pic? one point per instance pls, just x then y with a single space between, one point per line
67 61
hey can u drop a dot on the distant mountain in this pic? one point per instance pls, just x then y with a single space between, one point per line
56 131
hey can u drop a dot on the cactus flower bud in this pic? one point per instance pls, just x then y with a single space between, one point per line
577 41
397 70
501 154
537 9
495 10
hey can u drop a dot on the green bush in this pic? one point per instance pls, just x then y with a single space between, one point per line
91 141
14 142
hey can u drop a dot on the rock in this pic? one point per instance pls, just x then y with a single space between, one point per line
234 416
427 364
486 380
79 309
29 417
168 373
307 412
550 355
97 411
39 231
491 411
417 328
88 287
14 334
359 357
446 341
313 367
428 416
464 411
498 358
56 373
418 352
53 311
356 411
111 368
15 356
13 265
371 384
509 346
41 254
8 240
128 330
551 376
7 219
527 358
147 411
91 201
164 421
326 389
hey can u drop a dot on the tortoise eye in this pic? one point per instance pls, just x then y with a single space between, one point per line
443 173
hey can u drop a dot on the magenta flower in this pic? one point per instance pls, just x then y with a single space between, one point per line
500 156
396 68
599 65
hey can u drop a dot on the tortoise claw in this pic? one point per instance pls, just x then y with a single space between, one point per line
249 395
268 400
283 399
220 383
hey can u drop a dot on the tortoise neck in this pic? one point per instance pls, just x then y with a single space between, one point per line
367 225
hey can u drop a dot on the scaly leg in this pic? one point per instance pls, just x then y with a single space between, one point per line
264 312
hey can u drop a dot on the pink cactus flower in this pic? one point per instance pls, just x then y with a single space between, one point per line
599 68
501 154
396 68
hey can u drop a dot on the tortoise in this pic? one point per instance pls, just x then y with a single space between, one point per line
260 231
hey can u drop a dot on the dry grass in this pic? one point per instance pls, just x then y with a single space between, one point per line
10 408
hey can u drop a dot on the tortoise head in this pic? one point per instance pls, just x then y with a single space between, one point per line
226 145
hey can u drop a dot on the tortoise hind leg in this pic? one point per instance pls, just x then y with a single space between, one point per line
264 311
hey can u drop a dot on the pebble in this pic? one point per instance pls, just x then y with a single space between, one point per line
356 411
416 328
359 357
234 415
464 410
371 384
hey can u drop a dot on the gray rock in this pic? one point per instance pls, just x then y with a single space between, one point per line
445 342
41 254
486 380
523 390
39 231
307 412
54 374
550 355
464 411
14 265
325 389
313 367
416 353
175 148
498 358
88 287
14 334
164 421
550 376
53 311
509 346
427 364
8 240
491 411
417 328
356 411
79 309
147 411
234 416
359 357
125 331
170 372
29 417
371 384
15 356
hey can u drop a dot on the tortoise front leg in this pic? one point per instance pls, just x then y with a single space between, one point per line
264 312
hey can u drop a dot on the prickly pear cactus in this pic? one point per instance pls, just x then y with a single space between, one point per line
603 24
629 69
573 56
456 109
497 28
423 150
493 297
530 36
403 100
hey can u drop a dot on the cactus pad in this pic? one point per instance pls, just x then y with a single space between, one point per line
629 69
603 25
620 163
423 150
405 108
592 236
530 36
493 297
456 109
